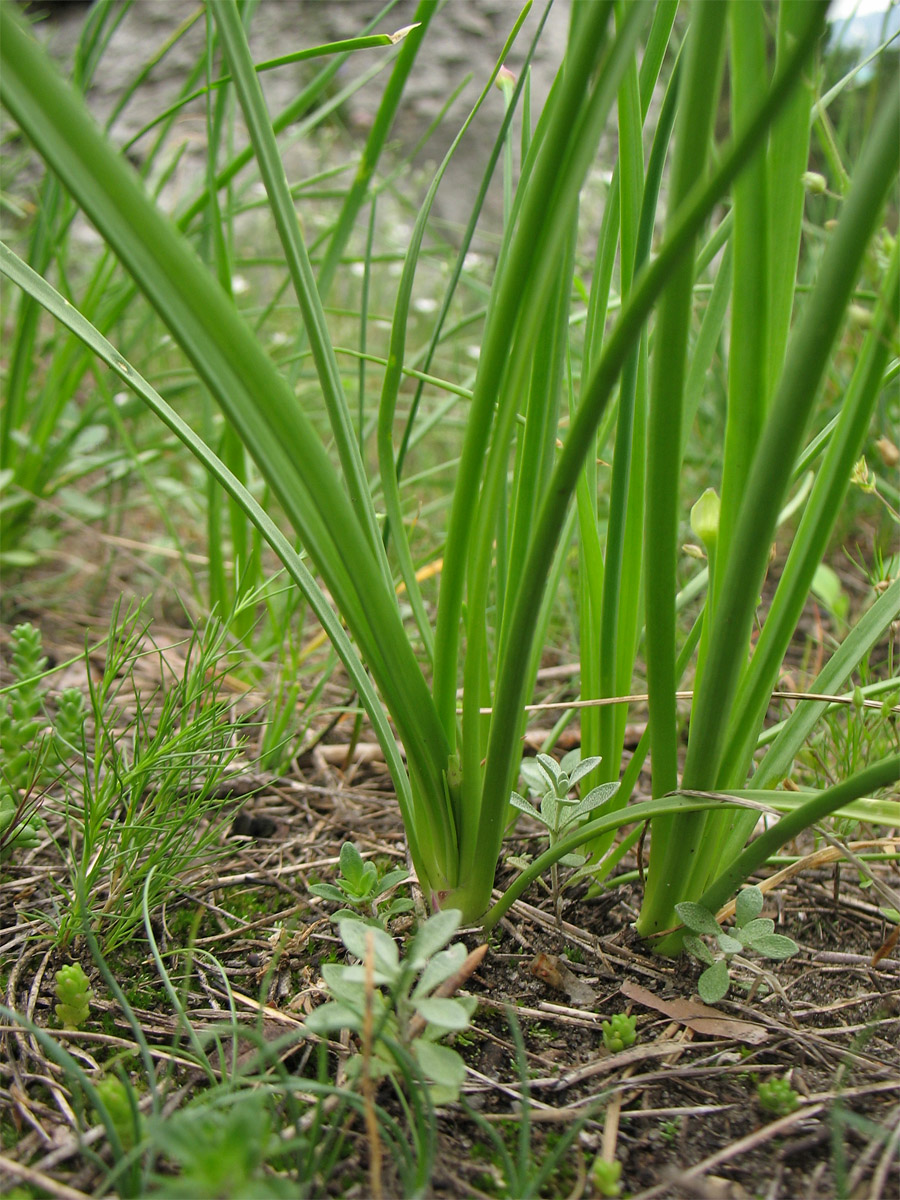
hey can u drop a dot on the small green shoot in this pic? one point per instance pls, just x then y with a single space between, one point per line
124 1115
560 812
606 1177
32 745
221 1151
750 932
73 991
776 1096
361 885
524 1164
668 1131
399 1002
619 1032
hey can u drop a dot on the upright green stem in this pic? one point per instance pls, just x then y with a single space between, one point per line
502 318
780 444
701 83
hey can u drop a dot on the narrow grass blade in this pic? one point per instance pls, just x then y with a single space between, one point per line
702 75
381 126
780 445
281 204
392 375
871 626
880 775
816 524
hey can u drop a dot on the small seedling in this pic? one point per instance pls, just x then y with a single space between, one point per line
361 885
73 991
776 1096
750 932
619 1032
220 1151
668 1131
399 1002
606 1177
559 812
125 1118
31 745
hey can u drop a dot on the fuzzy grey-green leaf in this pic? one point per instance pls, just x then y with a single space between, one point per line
442 1012
748 905
775 946
713 983
698 918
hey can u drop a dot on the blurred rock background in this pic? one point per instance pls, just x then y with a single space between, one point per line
465 38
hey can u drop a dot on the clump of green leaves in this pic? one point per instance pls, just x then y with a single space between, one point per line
73 991
619 1032
361 885
776 1096
750 932
668 1131
31 744
560 811
221 1151
398 1003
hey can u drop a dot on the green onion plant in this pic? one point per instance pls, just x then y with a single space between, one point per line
577 424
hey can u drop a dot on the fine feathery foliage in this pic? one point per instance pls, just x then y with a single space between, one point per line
567 378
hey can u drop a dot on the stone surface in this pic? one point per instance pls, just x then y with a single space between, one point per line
465 38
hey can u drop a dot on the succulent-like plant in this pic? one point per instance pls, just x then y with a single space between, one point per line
619 1032
73 991
776 1096
606 1176
125 1117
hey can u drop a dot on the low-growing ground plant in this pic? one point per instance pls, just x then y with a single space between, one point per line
521 1170
35 742
120 1102
221 1151
74 995
749 932
560 811
606 1176
391 1004
776 1096
619 1032
147 799
365 887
